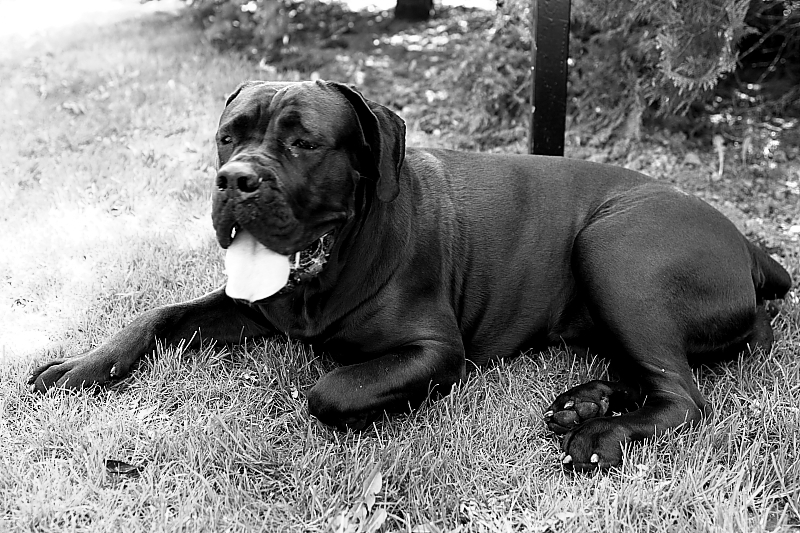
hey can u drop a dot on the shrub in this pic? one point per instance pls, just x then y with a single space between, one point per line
630 57
254 26
266 29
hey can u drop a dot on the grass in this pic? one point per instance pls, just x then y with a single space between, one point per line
106 158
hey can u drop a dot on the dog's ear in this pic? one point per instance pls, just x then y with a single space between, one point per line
275 86
238 89
384 137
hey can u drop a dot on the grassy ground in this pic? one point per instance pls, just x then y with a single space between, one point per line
105 166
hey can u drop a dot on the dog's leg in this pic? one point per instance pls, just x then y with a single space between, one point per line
648 352
214 316
599 398
656 391
353 396
669 399
663 281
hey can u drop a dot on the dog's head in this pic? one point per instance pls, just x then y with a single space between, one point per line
291 157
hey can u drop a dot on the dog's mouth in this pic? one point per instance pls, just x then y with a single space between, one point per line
255 272
308 263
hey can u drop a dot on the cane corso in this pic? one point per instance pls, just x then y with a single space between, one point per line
405 264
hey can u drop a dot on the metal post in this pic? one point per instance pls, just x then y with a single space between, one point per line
550 51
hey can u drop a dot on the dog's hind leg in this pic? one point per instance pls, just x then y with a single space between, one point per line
656 393
599 398
662 278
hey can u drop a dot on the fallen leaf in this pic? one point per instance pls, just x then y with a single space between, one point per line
375 521
372 486
692 158
359 512
121 468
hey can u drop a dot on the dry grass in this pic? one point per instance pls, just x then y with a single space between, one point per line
105 152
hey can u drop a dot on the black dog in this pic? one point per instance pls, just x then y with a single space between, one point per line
404 264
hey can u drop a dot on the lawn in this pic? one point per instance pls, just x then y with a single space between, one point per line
106 166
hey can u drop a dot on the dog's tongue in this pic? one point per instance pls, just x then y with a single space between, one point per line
254 271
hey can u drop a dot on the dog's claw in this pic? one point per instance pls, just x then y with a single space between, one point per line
569 405
113 372
594 458
32 387
549 414
567 459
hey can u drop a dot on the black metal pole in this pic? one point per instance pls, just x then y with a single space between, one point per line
550 51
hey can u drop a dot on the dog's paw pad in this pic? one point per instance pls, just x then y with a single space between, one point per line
573 413
591 409
565 418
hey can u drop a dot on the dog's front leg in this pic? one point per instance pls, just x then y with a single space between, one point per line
353 396
214 316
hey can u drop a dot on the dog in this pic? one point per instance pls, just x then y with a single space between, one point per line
406 264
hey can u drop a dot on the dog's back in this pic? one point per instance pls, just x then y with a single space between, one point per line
519 219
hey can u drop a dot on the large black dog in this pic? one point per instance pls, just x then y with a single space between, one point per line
405 264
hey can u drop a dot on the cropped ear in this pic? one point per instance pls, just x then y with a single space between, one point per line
384 137
275 85
238 89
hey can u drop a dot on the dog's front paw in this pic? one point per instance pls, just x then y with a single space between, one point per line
77 373
595 445
335 401
335 410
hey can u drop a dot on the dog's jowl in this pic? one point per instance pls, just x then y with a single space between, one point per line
404 264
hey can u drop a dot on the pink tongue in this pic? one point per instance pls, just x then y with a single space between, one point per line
254 271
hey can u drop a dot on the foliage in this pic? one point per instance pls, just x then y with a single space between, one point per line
255 25
691 43
629 57
494 75
268 29
664 56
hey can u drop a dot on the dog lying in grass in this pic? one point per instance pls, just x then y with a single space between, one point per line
404 264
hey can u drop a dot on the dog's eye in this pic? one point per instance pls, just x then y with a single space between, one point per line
227 139
304 145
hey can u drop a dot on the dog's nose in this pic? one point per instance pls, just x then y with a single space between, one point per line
238 175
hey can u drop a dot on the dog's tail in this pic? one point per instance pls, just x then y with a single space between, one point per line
769 277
